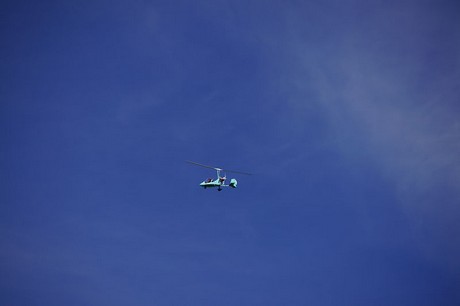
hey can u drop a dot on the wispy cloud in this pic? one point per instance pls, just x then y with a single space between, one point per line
387 88
388 91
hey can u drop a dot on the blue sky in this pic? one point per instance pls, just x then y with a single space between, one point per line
345 111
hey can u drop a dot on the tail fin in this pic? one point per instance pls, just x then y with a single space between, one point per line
233 183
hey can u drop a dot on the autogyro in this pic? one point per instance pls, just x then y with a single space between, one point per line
219 182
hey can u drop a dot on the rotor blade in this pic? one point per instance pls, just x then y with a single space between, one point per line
206 166
215 168
239 172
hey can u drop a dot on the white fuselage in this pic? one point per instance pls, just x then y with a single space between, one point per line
213 183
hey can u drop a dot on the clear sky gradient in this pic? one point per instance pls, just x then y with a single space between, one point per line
347 112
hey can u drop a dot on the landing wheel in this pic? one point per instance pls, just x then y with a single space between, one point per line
220 189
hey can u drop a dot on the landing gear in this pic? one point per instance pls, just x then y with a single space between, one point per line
219 189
